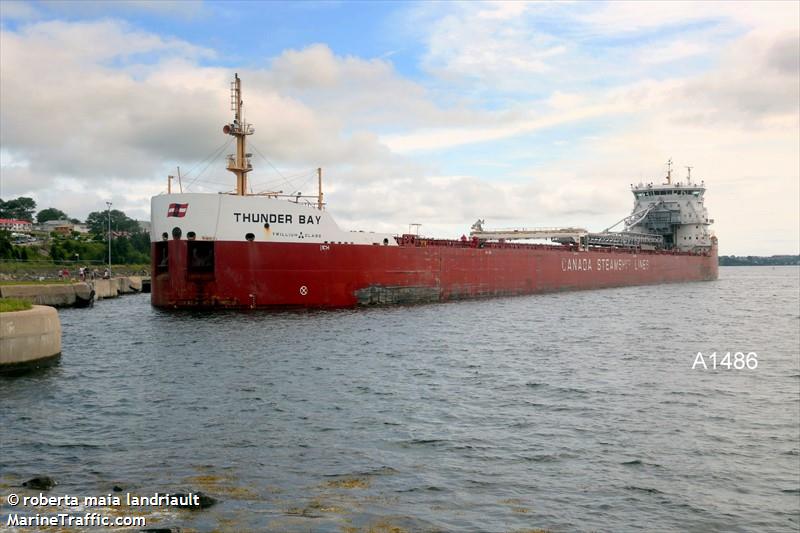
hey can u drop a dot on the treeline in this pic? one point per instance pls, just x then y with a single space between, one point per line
133 249
754 260
129 243
128 250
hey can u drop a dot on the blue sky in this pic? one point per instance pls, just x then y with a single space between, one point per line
441 113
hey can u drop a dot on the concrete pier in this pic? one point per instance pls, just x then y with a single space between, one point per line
29 339
56 295
78 294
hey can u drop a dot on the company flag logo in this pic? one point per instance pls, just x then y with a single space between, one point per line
177 210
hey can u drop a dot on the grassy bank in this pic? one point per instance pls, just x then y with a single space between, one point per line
14 304
32 270
37 282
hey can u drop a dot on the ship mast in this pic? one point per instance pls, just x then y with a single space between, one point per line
669 171
319 189
239 163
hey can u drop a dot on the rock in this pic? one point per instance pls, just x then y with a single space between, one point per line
117 488
206 500
40 483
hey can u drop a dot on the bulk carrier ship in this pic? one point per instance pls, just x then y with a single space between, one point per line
241 250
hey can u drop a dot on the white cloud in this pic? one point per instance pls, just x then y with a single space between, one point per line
635 16
487 41
81 123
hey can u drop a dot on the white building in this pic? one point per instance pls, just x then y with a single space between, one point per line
15 224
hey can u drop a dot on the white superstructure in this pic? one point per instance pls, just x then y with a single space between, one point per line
230 217
673 210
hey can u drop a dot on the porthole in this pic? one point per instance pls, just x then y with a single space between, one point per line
191 235
250 237
176 232
164 236
266 225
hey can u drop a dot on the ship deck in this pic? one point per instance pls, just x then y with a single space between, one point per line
410 240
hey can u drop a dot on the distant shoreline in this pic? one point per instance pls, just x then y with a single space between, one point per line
753 260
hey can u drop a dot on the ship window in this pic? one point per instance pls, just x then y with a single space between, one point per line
250 237
200 256
385 242
164 236
161 257
176 232
191 235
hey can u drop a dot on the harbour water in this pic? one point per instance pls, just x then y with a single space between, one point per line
567 412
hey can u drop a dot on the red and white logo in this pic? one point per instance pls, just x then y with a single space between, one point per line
177 210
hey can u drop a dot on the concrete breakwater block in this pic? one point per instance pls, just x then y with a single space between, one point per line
106 288
29 339
56 295
135 283
79 294
129 284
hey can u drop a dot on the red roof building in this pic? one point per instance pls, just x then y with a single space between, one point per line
15 224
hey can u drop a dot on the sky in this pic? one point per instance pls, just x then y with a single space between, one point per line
524 114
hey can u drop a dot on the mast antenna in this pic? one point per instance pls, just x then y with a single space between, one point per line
669 171
319 188
239 163
689 174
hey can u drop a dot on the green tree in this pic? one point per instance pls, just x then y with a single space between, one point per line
98 222
21 208
9 251
6 248
51 213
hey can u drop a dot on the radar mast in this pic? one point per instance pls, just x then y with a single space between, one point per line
239 163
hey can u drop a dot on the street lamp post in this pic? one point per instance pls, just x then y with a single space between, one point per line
108 205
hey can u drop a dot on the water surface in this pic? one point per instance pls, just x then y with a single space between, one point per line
571 412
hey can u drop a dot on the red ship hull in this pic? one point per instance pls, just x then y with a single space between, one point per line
262 275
